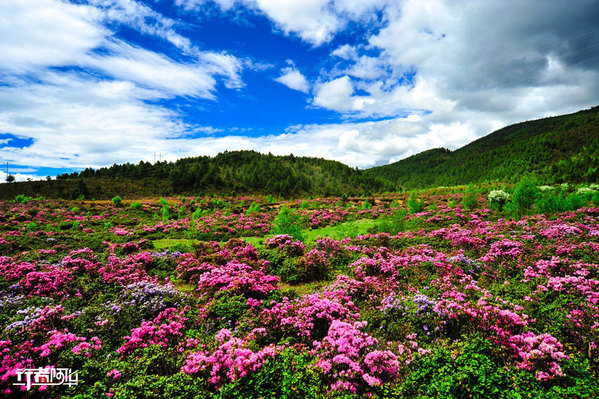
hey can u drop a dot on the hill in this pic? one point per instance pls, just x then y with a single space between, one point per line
554 150
230 172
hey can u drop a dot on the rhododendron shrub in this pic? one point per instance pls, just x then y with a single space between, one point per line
237 278
232 359
309 317
350 359
458 302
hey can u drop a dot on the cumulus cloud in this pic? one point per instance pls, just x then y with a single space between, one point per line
99 107
293 79
425 74
314 21
463 71
142 18
31 29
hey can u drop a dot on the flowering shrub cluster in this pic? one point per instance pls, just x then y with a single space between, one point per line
454 302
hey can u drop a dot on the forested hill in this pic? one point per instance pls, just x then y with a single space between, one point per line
235 172
555 150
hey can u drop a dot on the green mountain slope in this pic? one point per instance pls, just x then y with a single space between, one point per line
235 172
555 150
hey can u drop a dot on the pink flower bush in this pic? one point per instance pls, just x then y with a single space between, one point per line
237 278
51 282
540 353
59 339
310 317
231 360
285 243
347 357
164 330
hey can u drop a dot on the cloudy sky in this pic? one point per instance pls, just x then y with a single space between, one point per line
365 82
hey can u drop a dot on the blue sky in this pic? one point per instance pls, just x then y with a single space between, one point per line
365 82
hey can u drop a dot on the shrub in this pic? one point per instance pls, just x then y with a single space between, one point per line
395 224
549 203
525 195
22 199
287 222
166 212
253 208
137 206
497 199
117 200
573 202
313 266
415 204
470 198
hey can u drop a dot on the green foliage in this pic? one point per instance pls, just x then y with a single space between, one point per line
574 201
253 208
166 213
555 150
287 222
181 212
117 200
471 371
227 309
498 199
199 212
415 205
21 199
395 224
289 375
270 199
524 196
162 201
233 172
470 198
137 206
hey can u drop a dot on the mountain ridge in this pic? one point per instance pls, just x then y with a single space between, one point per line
555 149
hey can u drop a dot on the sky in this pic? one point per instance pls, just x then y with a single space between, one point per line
365 82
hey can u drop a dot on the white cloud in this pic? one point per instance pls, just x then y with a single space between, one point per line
144 19
363 144
338 95
99 114
293 79
315 21
40 33
473 73
446 73
335 94
346 52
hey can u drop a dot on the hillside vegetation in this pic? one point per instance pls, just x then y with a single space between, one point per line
555 150
230 172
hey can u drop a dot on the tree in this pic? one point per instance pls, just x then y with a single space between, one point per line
10 178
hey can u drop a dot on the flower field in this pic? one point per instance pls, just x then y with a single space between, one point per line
336 298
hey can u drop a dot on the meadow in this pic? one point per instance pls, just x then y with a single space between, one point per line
451 292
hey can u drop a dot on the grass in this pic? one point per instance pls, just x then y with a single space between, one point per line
303 289
340 231
165 243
